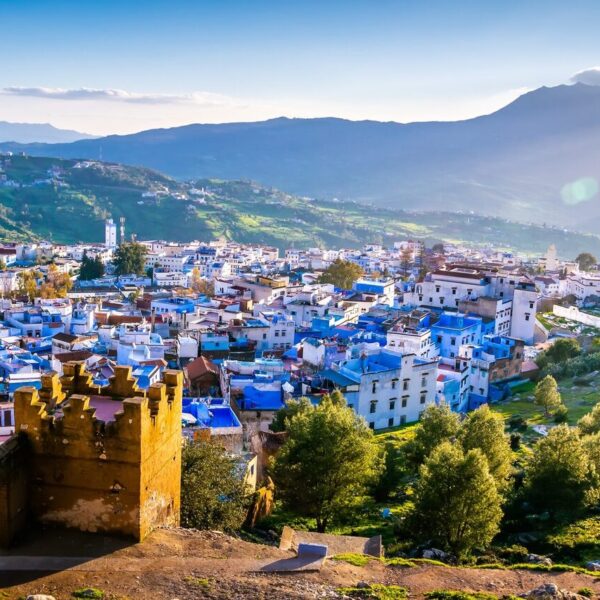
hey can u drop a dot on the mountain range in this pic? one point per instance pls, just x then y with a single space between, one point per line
537 159
28 133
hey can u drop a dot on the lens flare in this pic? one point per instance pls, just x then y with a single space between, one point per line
578 191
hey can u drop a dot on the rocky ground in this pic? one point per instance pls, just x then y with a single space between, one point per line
181 564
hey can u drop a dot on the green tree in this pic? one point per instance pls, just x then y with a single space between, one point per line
438 248
557 475
328 460
130 258
287 412
213 496
562 350
438 424
394 470
456 501
586 261
590 423
547 395
484 430
90 268
341 274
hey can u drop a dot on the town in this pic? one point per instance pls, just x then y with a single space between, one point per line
235 333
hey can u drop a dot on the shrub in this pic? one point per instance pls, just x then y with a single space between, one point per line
515 441
513 554
586 591
517 422
93 593
376 591
561 414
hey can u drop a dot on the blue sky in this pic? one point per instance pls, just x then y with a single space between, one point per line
150 63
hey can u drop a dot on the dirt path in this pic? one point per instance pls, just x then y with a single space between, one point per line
184 565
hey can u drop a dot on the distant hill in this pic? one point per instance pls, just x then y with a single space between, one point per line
67 201
514 163
29 133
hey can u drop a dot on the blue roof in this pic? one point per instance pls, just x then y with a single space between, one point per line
255 399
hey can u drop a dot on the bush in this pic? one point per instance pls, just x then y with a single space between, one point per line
93 593
586 591
377 591
517 422
515 441
561 414
513 554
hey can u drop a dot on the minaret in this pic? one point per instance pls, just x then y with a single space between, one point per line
122 221
110 234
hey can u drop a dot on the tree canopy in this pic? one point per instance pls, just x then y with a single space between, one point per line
557 475
213 495
590 423
547 395
586 261
341 274
130 259
438 424
326 463
456 502
91 268
484 430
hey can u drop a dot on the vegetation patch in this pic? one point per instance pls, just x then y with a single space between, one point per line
88 592
376 591
358 560
201 582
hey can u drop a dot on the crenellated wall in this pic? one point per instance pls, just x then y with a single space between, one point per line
120 475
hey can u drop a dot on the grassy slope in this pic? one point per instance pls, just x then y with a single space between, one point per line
239 211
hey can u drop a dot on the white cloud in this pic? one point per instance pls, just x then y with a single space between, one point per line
589 76
194 98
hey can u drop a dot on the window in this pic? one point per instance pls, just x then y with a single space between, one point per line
453 341
394 382
393 404
374 386
372 425
405 384
403 420
373 407
423 398
404 401
527 316
277 333
390 422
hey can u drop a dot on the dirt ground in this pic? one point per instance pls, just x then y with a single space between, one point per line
181 564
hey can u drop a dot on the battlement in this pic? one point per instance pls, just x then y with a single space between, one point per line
104 458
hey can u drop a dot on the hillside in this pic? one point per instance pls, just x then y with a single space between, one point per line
28 133
67 201
522 162
193 564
